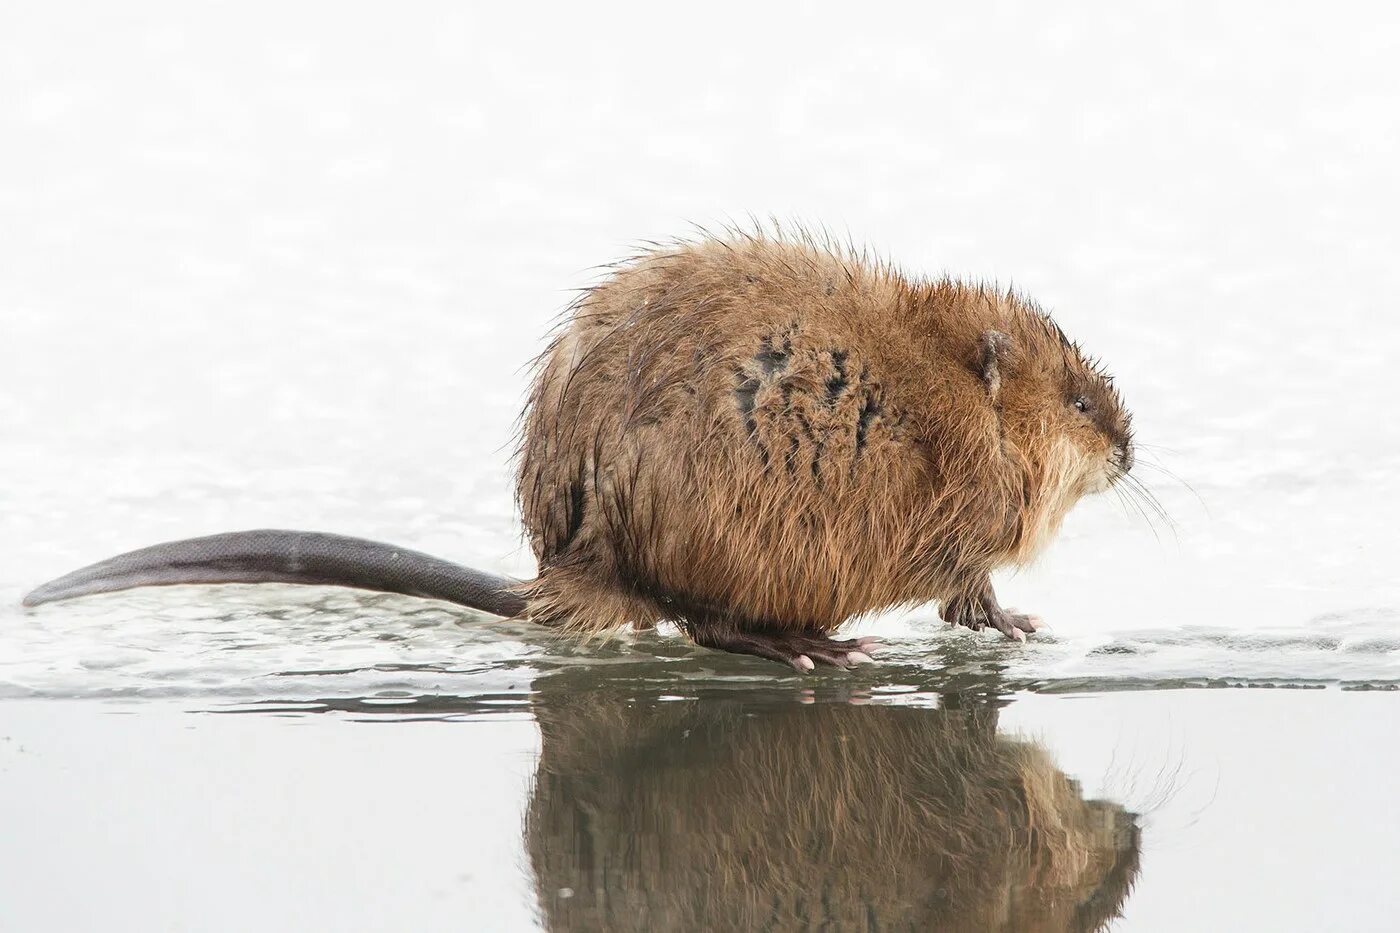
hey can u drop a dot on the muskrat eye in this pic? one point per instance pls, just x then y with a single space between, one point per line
1081 403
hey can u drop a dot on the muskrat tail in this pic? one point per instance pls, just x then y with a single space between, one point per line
306 557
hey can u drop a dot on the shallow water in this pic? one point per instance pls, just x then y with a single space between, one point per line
282 266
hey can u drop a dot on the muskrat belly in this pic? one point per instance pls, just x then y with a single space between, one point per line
761 554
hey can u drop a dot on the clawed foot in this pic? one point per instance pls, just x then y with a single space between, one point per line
802 650
978 612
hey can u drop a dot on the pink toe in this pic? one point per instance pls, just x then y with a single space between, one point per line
803 663
859 657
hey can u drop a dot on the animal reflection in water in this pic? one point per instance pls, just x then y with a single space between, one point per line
716 815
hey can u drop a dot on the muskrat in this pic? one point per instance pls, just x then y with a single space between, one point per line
822 816
757 437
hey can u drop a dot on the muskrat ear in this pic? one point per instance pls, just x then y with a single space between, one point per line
995 349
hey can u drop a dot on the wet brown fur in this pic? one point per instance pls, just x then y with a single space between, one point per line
764 432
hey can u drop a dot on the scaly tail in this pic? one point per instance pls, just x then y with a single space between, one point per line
307 557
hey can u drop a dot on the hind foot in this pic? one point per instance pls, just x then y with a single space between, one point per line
981 610
803 651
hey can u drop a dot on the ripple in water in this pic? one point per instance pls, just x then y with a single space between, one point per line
292 649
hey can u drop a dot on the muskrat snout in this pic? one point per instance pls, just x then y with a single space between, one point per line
1123 456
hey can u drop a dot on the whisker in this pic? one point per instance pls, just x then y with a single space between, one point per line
1176 479
1151 501
1149 515
1129 507
1132 490
1150 496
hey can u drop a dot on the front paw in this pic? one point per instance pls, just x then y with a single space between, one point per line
964 611
1016 625
977 613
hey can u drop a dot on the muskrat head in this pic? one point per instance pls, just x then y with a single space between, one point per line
1092 416
1060 412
